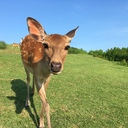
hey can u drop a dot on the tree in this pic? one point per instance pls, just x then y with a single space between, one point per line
3 45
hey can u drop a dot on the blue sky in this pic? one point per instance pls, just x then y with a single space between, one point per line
103 24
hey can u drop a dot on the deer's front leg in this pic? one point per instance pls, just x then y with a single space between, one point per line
45 108
40 84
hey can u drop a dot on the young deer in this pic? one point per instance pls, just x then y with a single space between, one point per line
43 55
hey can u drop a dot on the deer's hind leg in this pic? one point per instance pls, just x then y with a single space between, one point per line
27 104
33 87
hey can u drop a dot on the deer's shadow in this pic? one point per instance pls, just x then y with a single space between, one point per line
20 89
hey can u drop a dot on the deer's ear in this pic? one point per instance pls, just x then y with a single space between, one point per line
71 33
35 29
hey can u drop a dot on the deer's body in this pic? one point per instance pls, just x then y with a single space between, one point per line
15 45
43 55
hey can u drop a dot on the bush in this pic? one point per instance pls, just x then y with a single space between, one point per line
3 45
73 50
97 53
124 63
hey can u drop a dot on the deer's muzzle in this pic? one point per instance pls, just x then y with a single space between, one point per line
55 67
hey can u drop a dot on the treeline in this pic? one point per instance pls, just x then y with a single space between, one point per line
73 50
113 54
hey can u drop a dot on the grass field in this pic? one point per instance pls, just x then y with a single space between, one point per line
89 93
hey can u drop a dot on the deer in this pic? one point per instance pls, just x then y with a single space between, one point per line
15 45
43 55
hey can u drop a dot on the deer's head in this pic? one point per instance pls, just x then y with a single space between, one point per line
55 46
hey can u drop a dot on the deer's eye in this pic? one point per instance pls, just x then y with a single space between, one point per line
67 47
45 45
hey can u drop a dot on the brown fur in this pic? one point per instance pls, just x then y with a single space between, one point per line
31 50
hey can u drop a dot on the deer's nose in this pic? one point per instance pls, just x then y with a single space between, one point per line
55 66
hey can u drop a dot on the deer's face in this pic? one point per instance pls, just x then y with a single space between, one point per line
55 45
56 48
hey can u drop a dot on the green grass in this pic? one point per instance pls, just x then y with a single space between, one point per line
89 93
